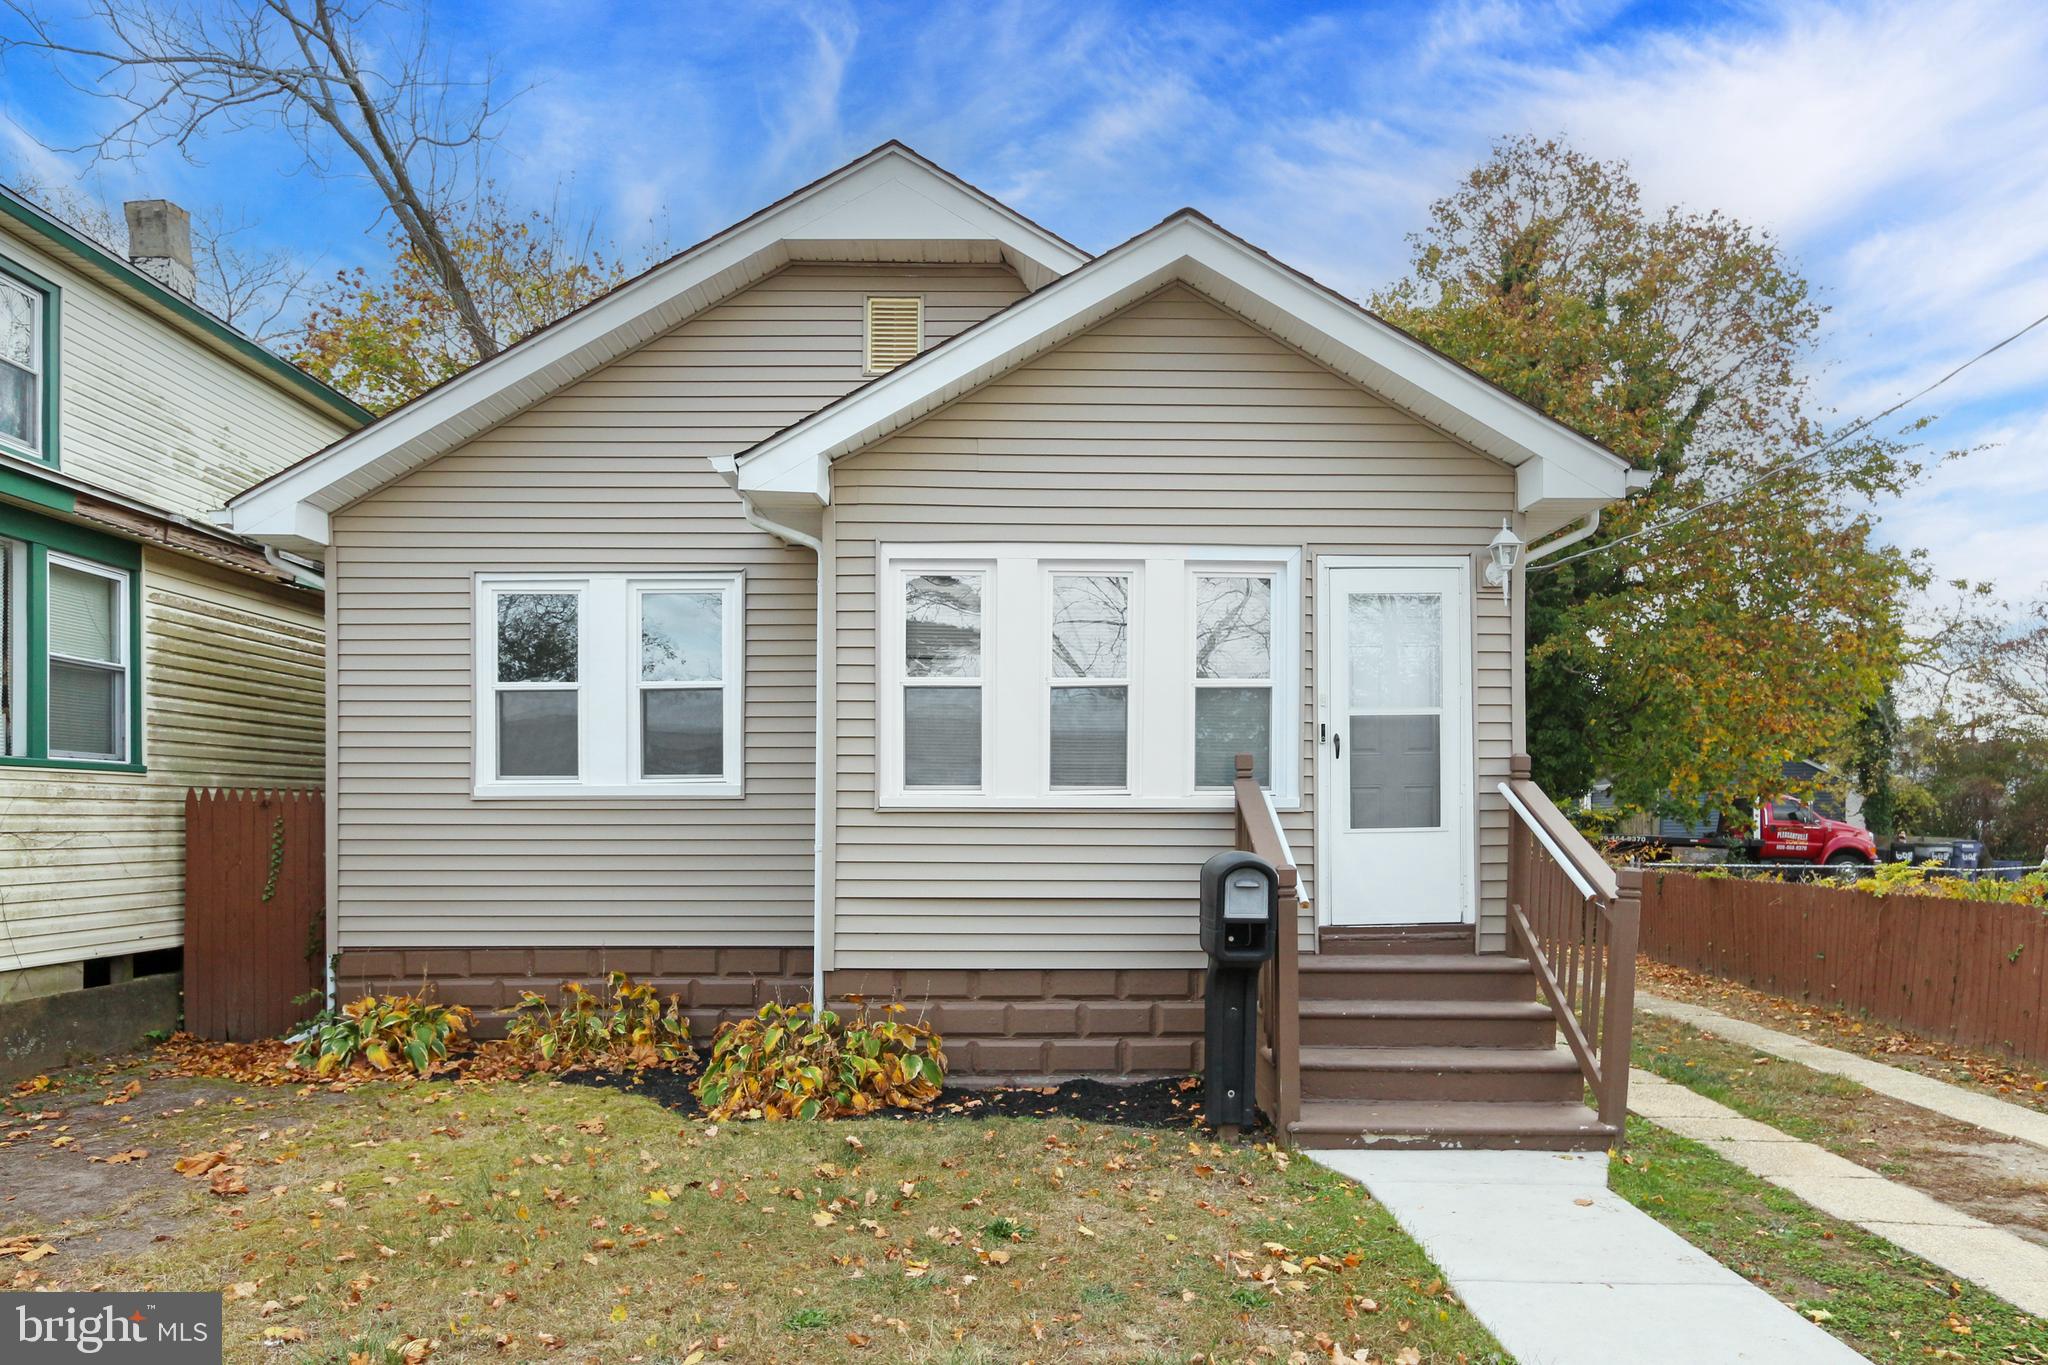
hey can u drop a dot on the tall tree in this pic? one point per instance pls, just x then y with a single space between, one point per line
1691 663
356 84
387 338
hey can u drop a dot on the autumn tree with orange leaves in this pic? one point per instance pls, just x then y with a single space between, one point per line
1686 665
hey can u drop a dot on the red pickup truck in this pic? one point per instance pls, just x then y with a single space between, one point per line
1793 832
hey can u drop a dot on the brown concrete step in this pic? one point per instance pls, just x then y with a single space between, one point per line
1396 940
1450 1124
1416 976
1427 1023
1506 1074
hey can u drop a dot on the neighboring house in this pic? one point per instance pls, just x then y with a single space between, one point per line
143 648
1052 538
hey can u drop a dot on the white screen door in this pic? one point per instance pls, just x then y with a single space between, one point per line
1396 762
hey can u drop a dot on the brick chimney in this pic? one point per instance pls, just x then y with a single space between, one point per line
160 243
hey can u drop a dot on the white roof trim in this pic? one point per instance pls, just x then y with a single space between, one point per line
890 205
1554 464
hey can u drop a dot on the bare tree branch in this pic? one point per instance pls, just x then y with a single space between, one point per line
353 82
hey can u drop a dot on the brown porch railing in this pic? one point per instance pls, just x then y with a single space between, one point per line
1279 1069
1577 920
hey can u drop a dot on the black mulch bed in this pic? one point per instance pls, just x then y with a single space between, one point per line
1173 1103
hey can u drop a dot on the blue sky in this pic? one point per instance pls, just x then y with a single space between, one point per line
1900 150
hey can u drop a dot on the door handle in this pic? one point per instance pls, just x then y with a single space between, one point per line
1338 740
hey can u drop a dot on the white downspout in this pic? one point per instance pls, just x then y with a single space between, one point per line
812 543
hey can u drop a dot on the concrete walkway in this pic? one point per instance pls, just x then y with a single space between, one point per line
1969 1248
1566 1272
1952 1101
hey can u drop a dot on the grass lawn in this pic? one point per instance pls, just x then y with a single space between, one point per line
1888 1305
1983 1173
516 1221
1977 1069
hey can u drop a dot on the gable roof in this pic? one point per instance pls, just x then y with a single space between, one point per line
109 265
1558 471
890 204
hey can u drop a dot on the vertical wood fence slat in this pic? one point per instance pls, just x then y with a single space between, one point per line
1965 972
248 959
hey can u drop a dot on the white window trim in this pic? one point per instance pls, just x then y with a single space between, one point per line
38 368
122 665
1016 700
607 687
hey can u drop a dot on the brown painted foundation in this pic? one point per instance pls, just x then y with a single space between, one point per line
998 1024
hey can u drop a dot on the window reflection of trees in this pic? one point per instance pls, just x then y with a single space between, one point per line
537 637
942 626
1091 618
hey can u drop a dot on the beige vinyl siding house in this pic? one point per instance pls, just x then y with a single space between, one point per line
150 414
1008 551
1170 423
611 474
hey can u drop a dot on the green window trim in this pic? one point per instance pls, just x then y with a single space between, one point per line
40 536
51 376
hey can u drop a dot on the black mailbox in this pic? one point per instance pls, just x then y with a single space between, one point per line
1240 933
1240 909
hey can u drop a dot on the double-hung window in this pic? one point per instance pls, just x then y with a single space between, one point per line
1090 715
609 685
28 326
1071 676
1233 675
943 739
69 695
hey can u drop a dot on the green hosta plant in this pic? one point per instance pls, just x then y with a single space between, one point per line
783 1063
384 1032
636 1026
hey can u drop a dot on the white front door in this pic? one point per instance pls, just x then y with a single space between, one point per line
1395 775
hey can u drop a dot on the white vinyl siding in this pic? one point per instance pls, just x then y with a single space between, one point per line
611 475
151 411
93 862
1172 424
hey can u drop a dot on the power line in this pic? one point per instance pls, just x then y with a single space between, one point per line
1789 461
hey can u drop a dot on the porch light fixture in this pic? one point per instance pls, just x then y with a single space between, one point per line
1501 554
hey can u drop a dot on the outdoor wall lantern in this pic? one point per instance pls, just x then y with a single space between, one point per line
1501 554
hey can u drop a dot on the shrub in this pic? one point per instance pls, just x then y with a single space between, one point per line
636 1027
382 1030
784 1064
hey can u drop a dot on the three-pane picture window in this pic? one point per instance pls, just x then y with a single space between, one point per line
609 684
1021 674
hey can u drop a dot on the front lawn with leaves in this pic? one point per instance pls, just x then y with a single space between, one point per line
532 1220
1889 1305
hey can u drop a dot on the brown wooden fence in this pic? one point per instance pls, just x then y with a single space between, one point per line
255 902
1964 972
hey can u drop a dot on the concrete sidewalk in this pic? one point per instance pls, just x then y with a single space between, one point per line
1965 1246
1952 1101
1566 1272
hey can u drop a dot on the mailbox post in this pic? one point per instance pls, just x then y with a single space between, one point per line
1240 932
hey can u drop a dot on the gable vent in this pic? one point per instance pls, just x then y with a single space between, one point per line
895 332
